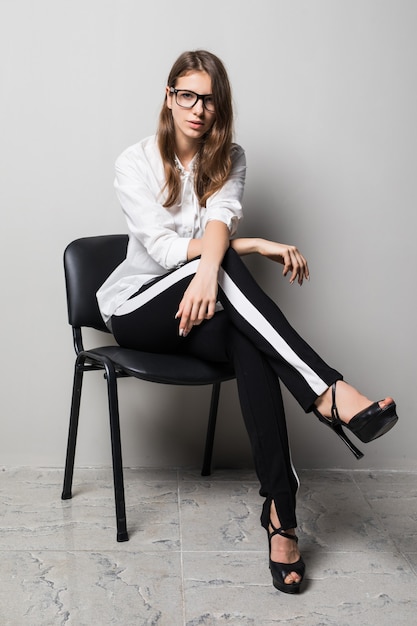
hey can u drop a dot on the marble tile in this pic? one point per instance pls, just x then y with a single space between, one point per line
368 478
334 514
220 515
393 496
197 554
314 476
35 518
152 485
341 590
218 475
412 559
51 588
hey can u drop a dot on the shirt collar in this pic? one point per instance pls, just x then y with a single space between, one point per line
181 168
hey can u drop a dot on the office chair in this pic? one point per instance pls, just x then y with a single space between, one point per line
87 263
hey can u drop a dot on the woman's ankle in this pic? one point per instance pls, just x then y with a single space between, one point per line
349 401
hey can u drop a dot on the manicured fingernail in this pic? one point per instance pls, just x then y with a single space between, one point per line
181 332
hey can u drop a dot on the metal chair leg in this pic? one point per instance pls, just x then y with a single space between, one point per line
211 429
111 377
119 492
73 428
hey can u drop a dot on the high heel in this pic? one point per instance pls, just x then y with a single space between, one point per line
367 425
280 571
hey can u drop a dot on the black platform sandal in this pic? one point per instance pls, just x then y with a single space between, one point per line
367 425
280 571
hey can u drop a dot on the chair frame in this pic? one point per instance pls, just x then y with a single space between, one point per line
111 360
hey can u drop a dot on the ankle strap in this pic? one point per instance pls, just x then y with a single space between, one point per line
334 411
281 531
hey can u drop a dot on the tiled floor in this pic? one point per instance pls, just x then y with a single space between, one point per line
197 555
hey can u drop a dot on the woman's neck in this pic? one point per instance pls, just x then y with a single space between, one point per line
185 152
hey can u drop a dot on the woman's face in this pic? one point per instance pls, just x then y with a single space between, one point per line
191 123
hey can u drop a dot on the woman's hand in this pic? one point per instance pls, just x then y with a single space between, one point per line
289 256
199 300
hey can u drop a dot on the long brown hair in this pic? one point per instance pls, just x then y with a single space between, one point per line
214 162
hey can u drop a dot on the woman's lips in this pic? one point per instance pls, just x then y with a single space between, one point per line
195 124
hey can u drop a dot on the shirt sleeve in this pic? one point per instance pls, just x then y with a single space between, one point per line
137 189
226 204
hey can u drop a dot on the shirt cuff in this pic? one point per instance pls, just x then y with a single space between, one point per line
177 253
225 216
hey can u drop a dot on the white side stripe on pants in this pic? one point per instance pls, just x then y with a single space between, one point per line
241 303
159 287
243 306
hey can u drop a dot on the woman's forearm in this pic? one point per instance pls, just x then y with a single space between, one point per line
246 245
242 245
199 300
212 246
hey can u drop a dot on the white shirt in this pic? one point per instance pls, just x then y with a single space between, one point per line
159 236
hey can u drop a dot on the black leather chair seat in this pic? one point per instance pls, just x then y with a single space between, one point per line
172 369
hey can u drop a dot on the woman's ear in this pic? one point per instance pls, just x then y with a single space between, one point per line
169 97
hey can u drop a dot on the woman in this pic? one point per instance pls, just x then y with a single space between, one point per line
183 288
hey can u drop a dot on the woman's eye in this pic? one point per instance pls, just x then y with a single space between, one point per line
187 95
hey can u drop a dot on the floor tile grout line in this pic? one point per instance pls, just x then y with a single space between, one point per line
191 552
410 564
181 548
307 551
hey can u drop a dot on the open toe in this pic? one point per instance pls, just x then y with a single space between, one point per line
369 424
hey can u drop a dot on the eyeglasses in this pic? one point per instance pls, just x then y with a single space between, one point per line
187 99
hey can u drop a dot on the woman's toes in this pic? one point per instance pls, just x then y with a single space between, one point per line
291 578
386 402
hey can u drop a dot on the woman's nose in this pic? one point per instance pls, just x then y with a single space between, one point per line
198 108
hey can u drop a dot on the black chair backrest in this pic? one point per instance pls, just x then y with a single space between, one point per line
87 263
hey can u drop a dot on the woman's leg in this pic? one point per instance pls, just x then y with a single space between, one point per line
152 327
263 346
257 333
299 367
263 411
147 320
250 310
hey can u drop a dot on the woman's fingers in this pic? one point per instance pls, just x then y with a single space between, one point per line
290 257
198 302
193 313
295 263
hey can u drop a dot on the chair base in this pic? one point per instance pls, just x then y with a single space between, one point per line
98 359
122 536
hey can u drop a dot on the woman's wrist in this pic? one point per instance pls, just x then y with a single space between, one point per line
247 245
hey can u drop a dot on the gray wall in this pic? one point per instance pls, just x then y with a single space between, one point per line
325 96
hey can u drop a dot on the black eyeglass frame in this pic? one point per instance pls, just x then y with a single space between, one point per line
198 97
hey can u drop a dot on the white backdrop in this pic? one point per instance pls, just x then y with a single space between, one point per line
325 94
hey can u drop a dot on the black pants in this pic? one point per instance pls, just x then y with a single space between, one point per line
252 332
